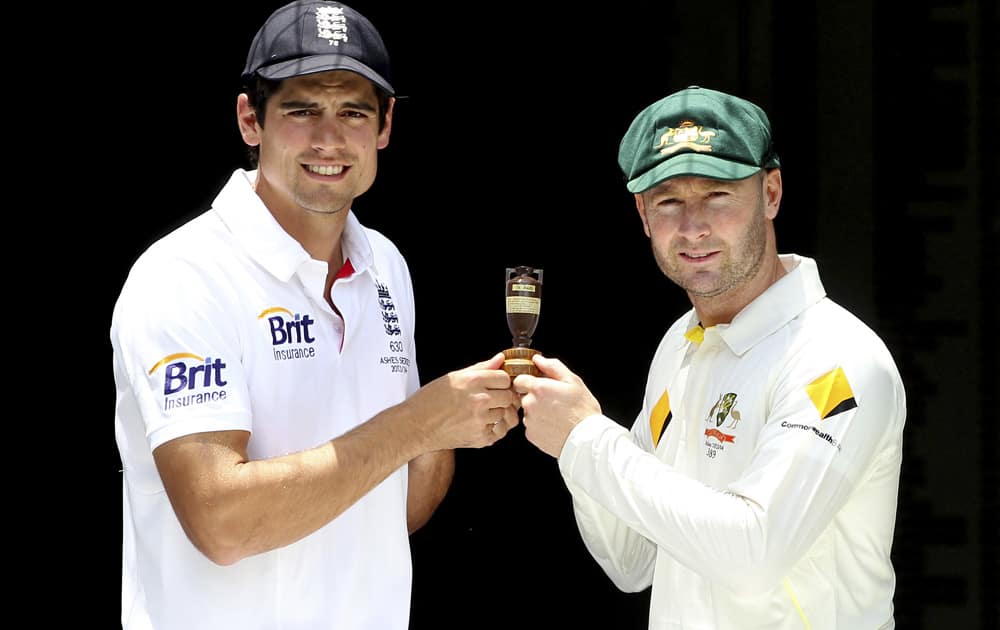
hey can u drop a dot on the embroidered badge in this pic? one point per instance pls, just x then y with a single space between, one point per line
390 320
331 25
723 408
687 135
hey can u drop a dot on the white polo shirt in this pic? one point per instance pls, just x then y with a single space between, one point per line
757 487
222 325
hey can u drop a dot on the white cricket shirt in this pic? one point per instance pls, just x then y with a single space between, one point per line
757 487
222 325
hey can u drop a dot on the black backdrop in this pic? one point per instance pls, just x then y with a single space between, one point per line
503 153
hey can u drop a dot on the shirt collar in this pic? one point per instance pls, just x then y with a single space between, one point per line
263 238
782 302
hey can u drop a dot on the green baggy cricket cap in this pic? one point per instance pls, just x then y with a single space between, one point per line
696 132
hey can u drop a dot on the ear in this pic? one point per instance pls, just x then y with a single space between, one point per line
246 118
772 192
640 205
383 136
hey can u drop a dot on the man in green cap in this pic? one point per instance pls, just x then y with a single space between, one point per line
757 487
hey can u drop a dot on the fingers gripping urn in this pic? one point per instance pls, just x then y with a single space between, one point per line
524 302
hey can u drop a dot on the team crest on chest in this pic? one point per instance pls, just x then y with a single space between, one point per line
722 419
390 320
396 358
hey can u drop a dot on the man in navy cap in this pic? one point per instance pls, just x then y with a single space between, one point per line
757 487
277 448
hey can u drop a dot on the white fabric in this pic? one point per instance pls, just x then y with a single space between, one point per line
228 310
768 517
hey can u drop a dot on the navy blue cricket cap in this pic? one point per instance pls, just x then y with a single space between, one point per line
308 36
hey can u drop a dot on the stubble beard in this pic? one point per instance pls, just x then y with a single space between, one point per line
739 264
322 201
323 198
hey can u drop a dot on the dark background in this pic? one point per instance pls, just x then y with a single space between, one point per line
504 153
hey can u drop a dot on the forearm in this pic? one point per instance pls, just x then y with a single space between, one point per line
430 476
238 508
322 483
232 507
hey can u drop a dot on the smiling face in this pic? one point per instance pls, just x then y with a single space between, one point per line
712 237
319 144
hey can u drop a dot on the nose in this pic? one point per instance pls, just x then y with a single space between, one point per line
328 134
693 224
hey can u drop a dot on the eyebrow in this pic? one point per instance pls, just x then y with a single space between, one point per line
296 104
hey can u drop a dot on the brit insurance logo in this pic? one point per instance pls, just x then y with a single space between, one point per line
722 418
190 379
291 333
395 360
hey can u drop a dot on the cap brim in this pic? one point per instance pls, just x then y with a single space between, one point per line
322 63
691 165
